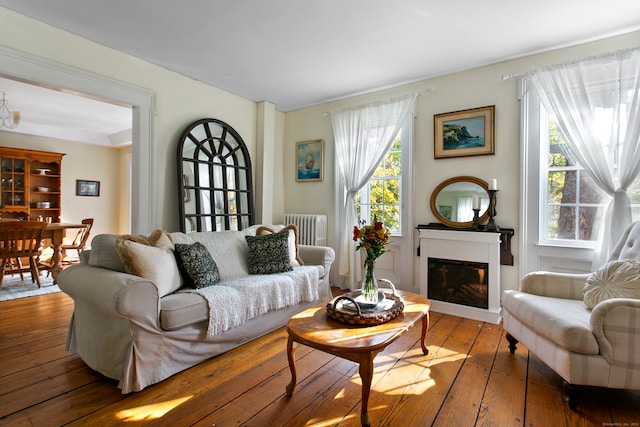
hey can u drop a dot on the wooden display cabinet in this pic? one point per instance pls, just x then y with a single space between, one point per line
31 184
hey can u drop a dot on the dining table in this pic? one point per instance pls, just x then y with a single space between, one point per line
56 232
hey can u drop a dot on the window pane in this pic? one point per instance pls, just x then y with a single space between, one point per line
376 213
391 191
555 184
590 193
393 164
392 217
588 217
553 212
566 224
375 191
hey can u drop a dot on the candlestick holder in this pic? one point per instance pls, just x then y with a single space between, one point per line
491 225
476 220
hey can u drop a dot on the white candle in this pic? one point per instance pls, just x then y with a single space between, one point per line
493 184
475 202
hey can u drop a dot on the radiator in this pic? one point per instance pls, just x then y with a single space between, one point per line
312 229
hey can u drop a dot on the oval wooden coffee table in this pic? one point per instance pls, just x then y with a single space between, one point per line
315 329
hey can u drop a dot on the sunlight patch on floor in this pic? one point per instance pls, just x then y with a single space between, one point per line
330 422
150 412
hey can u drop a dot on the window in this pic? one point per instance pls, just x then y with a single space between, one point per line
387 195
572 201
381 197
561 205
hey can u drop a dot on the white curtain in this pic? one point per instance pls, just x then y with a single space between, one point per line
362 137
596 104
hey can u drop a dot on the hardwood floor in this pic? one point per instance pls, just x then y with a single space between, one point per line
469 378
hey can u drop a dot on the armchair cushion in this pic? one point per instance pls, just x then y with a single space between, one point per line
563 321
616 279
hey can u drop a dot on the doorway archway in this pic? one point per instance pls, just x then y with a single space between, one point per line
42 71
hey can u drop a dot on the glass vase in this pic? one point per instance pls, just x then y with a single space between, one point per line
369 284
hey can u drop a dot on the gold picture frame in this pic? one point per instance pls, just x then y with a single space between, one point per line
464 133
309 160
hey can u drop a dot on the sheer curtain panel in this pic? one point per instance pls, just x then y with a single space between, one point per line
596 105
362 137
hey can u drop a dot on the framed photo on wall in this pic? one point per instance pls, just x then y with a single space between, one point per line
87 188
464 133
309 160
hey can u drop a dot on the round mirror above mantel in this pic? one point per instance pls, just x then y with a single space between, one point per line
452 201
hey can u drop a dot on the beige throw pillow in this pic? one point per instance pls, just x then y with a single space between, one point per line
292 241
616 279
151 258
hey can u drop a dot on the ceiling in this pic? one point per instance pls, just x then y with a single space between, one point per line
296 53
62 115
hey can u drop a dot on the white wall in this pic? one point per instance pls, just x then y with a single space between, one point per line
475 88
87 162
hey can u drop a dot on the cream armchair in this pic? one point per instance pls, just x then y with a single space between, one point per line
600 346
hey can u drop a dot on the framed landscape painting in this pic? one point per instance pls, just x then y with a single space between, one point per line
309 159
464 133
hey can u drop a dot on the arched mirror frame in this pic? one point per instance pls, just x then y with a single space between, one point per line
484 216
220 196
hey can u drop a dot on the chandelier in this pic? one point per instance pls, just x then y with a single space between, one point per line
8 119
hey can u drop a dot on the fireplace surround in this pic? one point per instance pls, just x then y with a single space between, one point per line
460 273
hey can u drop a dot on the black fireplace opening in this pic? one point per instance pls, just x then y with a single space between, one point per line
458 282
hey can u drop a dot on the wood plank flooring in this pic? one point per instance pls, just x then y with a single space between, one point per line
469 378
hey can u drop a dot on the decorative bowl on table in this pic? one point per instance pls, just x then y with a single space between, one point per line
366 305
42 189
346 309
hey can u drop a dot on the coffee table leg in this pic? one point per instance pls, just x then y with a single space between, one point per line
366 375
292 366
425 325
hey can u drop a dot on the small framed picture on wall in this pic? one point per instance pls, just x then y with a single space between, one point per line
309 159
87 188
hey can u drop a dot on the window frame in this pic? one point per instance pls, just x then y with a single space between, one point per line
544 204
558 256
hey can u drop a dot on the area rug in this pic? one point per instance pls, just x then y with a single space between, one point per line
14 288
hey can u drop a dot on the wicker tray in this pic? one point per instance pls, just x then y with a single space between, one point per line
344 308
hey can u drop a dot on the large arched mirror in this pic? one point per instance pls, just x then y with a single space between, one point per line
214 178
452 201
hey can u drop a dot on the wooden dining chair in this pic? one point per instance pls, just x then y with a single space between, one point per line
21 239
79 242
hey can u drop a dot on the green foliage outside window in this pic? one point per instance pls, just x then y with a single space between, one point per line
384 190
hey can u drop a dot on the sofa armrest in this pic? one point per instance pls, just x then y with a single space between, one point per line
615 324
551 284
111 292
317 255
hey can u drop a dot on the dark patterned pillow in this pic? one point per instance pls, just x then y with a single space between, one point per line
269 253
196 265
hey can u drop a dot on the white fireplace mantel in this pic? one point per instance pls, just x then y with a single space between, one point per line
473 246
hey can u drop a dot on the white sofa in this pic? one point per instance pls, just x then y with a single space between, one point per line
125 327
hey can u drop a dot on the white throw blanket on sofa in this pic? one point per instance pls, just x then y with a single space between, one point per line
233 302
